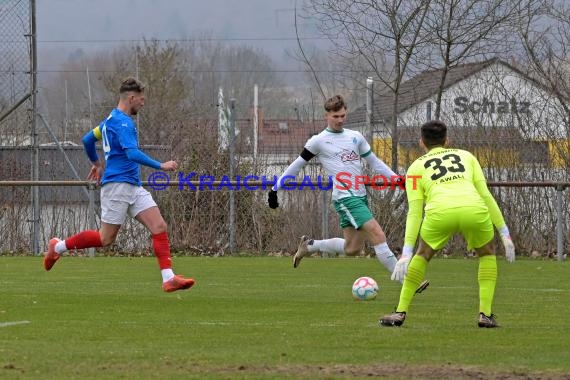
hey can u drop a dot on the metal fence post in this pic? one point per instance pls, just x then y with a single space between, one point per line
36 207
559 222
232 135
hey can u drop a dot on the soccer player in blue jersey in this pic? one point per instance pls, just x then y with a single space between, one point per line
122 193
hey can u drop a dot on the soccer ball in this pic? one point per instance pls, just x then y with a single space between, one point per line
364 289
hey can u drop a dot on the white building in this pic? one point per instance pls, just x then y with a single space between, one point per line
490 107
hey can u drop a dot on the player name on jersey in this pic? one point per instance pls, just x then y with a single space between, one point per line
452 178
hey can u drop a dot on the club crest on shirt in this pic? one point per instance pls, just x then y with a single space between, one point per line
349 156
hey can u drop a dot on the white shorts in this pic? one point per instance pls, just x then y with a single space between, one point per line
119 199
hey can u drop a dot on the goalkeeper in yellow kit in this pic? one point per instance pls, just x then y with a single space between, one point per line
451 184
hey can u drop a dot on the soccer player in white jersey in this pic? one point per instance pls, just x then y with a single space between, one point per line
340 151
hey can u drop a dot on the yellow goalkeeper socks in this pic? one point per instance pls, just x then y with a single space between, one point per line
416 273
487 277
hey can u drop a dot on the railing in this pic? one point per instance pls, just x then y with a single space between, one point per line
306 209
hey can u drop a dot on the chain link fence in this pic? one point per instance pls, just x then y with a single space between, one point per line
199 219
513 147
15 67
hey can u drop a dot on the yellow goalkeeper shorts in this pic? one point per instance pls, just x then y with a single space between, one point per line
474 223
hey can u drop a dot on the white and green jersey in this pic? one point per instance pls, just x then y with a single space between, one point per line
340 153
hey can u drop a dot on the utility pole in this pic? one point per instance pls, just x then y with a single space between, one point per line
34 131
369 110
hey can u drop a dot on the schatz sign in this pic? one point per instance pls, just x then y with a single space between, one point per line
486 106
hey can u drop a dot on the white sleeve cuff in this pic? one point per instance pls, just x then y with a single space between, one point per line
504 231
407 251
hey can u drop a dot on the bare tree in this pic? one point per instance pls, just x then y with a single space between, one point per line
382 33
306 59
243 67
335 75
161 66
546 41
545 37
462 30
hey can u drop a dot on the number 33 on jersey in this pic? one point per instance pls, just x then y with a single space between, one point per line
445 179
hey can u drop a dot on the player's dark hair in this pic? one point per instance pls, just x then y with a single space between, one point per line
434 133
334 104
130 84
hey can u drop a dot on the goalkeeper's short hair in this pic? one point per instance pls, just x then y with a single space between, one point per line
434 133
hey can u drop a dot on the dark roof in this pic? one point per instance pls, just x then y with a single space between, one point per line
277 136
418 89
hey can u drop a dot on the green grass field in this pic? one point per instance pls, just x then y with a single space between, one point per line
258 318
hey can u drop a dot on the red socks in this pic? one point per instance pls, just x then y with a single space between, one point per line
92 239
161 247
84 239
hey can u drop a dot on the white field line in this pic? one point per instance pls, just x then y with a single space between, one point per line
7 324
244 323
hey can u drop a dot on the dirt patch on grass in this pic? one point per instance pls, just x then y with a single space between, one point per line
389 371
168 369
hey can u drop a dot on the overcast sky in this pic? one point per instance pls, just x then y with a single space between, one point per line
68 25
